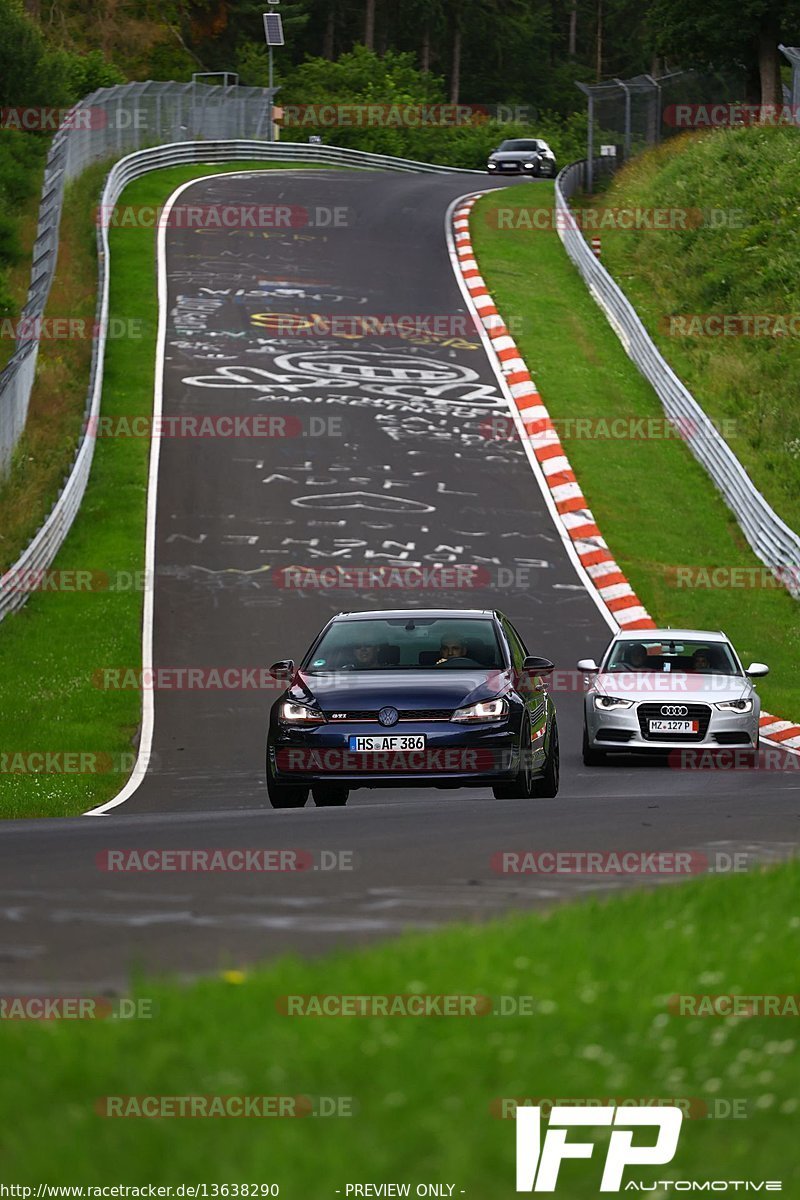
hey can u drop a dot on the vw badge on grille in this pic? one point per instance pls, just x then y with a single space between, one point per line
388 716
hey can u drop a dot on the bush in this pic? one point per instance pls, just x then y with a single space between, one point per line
7 307
21 156
10 248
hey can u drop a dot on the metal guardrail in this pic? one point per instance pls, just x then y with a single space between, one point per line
102 127
19 375
771 539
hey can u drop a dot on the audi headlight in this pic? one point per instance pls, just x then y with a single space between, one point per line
300 714
486 710
606 702
736 706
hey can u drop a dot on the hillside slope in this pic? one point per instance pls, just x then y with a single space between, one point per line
738 193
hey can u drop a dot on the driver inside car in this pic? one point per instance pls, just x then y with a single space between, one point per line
451 647
361 657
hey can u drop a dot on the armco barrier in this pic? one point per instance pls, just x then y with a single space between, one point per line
772 540
16 381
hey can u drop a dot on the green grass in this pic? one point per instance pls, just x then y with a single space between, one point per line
49 649
655 505
748 266
600 975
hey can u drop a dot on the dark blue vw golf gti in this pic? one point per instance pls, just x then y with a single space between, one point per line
413 698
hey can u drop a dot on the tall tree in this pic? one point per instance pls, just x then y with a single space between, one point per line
455 60
369 25
711 37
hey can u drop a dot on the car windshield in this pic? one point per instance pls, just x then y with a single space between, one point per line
521 144
406 644
696 657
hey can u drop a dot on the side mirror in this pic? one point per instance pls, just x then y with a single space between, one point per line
755 670
283 669
587 664
539 666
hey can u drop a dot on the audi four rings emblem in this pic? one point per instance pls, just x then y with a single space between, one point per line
674 710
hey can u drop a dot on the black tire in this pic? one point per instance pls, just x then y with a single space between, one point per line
520 788
591 757
285 796
751 758
330 795
547 786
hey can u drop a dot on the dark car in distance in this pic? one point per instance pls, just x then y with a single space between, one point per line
413 698
523 156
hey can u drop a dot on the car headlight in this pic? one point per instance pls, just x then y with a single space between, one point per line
492 166
486 710
300 714
606 702
529 166
737 706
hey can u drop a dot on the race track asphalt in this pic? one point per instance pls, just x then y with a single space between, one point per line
390 460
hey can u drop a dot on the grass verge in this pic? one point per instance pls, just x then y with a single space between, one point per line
654 503
738 190
47 698
425 1090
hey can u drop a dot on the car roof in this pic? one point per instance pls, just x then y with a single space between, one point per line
401 613
666 635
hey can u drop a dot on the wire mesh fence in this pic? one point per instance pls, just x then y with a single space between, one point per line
771 539
103 127
625 116
791 95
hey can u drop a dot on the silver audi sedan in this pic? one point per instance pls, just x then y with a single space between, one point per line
658 691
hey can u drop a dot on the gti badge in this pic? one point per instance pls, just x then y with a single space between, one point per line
388 716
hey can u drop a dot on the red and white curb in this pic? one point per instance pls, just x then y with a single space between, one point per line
612 586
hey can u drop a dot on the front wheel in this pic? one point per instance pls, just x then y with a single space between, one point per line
591 757
330 795
283 795
547 786
752 757
286 797
521 786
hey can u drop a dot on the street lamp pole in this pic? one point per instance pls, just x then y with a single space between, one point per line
273 34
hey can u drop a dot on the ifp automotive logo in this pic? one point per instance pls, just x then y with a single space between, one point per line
539 1161
538 1164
